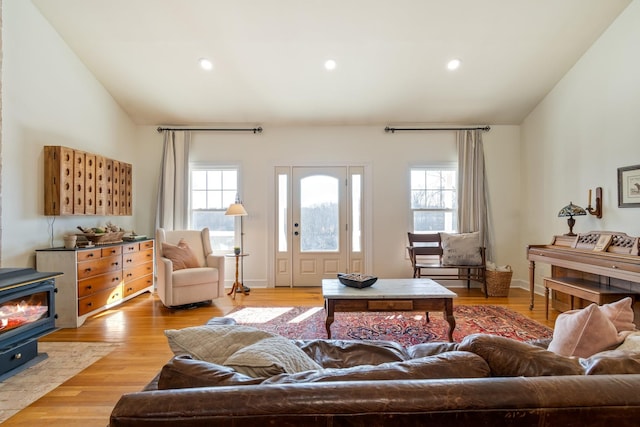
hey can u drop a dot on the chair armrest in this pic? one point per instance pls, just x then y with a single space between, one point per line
165 269
215 261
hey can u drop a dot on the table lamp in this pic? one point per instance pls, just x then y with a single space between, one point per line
571 210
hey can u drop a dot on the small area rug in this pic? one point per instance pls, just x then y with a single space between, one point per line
406 328
65 360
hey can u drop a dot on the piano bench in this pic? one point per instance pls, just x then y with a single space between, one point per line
583 289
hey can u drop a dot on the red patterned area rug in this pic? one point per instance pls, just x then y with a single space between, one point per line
406 328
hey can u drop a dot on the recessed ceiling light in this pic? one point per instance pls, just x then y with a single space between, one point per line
205 64
454 64
330 64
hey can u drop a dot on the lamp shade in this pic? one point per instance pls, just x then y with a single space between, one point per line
236 209
572 210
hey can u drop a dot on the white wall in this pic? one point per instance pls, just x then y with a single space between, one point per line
577 137
387 157
49 98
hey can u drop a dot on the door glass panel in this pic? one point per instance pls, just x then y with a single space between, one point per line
319 214
356 214
282 212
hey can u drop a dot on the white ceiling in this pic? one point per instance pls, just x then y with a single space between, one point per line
268 57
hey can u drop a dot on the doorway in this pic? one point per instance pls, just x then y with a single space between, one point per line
319 223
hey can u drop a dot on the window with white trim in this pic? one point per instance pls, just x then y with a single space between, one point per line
212 190
434 203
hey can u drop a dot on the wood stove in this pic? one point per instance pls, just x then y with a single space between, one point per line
27 312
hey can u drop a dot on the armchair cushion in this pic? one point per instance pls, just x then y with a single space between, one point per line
461 249
180 255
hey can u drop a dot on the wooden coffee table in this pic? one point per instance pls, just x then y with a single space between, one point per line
389 295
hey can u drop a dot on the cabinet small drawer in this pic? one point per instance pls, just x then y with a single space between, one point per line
99 300
139 270
86 255
99 266
137 258
111 251
138 285
391 305
95 284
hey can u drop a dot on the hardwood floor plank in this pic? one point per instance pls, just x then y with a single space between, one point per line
138 325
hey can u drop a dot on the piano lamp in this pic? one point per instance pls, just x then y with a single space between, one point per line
237 209
571 210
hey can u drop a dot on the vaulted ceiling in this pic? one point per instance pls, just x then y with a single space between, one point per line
268 57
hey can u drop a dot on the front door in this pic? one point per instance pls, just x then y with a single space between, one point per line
319 224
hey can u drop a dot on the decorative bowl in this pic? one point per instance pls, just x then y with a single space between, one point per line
356 280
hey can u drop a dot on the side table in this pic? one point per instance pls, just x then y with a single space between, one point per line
237 286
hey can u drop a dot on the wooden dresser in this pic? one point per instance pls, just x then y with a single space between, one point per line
599 266
97 278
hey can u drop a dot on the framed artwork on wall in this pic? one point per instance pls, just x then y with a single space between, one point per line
629 187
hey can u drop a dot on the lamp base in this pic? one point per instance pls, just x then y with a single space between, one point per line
571 222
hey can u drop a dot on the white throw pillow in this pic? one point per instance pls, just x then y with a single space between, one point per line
461 249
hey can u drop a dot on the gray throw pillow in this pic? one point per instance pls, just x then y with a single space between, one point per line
461 249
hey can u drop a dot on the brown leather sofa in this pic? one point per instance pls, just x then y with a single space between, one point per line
482 381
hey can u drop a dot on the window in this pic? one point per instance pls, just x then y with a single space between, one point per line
434 205
212 191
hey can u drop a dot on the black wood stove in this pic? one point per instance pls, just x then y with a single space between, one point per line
27 312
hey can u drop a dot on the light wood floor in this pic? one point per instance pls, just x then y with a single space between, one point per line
88 398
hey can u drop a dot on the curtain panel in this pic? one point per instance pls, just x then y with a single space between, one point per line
173 188
472 187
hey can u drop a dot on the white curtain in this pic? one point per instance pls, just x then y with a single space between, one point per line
472 187
172 210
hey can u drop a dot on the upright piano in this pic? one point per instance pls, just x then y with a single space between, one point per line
599 266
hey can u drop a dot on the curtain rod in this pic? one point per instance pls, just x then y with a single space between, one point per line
393 130
254 130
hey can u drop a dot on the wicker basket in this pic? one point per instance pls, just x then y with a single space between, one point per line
498 283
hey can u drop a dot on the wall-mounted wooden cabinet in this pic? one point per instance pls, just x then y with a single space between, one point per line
81 183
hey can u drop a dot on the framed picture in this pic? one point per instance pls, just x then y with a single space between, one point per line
629 187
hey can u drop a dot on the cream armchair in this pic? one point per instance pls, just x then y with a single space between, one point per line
189 285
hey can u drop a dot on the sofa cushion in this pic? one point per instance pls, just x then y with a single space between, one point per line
430 349
181 255
270 356
185 372
454 364
461 249
344 353
620 313
213 343
583 333
511 358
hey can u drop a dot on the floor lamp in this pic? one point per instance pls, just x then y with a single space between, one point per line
237 209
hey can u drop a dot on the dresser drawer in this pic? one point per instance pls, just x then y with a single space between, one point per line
130 247
130 259
87 255
138 284
99 299
99 266
111 251
148 244
95 284
139 270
